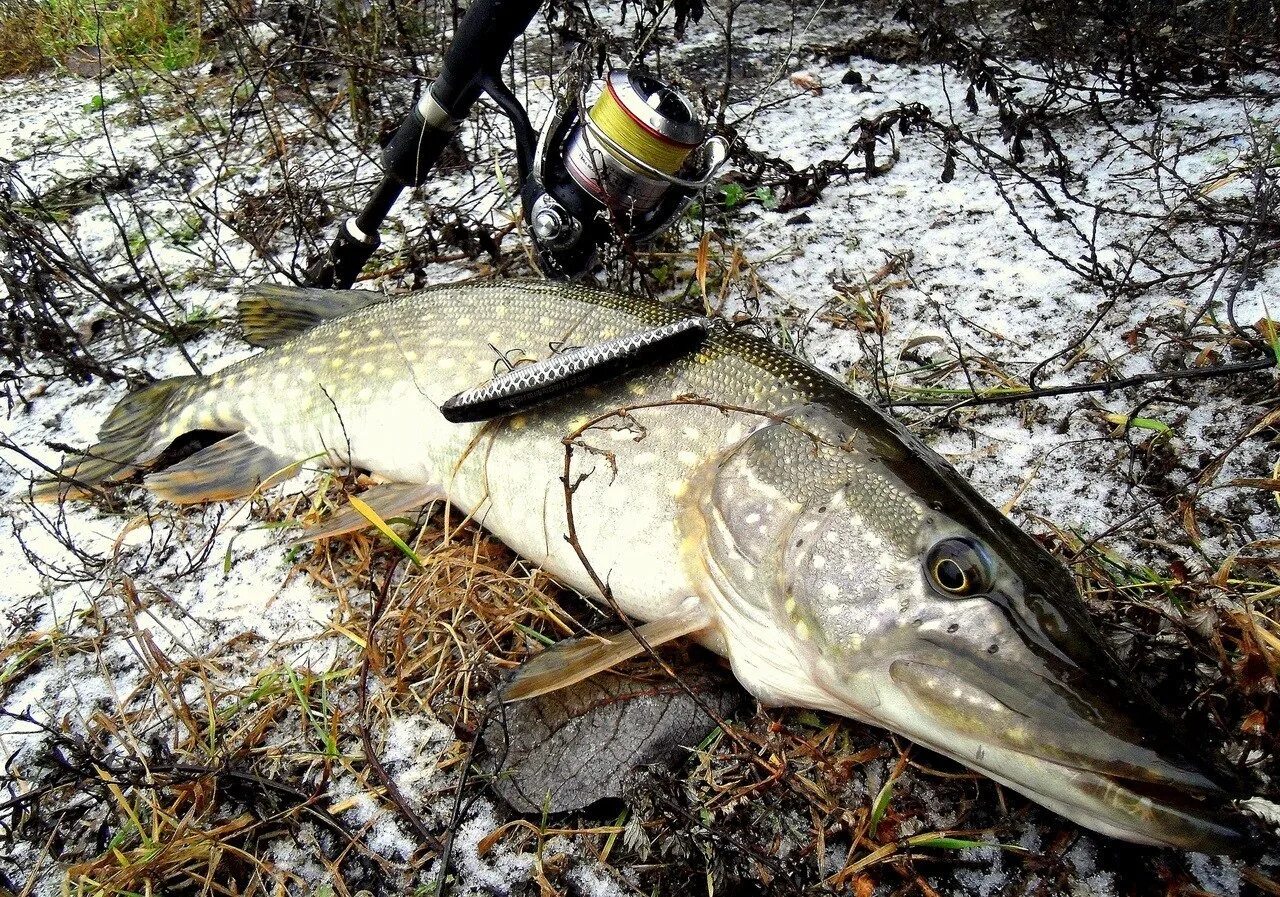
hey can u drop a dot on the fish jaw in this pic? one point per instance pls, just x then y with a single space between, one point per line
1135 792
1050 715
1142 793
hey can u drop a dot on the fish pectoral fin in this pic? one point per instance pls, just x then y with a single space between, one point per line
231 468
271 314
573 660
387 499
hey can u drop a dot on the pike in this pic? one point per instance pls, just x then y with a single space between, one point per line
732 494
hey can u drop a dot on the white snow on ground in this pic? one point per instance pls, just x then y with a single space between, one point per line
216 575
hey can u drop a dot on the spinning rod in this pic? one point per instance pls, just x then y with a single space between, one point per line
622 168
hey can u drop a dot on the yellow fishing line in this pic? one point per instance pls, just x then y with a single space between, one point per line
624 130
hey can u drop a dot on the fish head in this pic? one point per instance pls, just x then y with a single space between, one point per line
912 603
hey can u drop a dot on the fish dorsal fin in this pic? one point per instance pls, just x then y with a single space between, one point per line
271 314
573 660
232 468
387 499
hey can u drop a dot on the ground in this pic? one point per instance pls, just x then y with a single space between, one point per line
190 704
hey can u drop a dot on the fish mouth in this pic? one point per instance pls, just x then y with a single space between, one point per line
1085 757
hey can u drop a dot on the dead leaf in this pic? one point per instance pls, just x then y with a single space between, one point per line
704 249
1268 328
1255 724
807 81
1189 522
581 744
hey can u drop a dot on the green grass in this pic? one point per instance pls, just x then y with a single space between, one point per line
152 34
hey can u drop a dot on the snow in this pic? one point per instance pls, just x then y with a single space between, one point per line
974 274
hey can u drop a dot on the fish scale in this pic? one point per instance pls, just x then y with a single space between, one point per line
733 494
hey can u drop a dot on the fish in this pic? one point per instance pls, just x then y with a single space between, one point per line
731 494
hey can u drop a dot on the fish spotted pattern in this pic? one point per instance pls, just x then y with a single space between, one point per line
734 494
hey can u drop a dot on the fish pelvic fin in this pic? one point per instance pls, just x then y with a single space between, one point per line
386 499
133 433
231 468
271 314
571 661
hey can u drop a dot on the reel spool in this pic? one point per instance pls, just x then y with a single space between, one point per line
627 169
635 120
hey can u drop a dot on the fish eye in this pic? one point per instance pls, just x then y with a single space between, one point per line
958 567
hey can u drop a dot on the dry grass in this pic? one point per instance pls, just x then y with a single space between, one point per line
20 48
193 774
163 35
190 778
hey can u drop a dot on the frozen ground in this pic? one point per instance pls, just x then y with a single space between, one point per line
907 286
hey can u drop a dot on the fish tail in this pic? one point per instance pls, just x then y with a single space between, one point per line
138 429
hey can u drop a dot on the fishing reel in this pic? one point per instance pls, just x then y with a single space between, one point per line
623 170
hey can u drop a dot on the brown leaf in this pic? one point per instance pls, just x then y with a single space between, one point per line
704 251
580 744
1189 522
1268 328
1255 723
807 81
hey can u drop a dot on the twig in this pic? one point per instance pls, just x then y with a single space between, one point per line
455 813
366 739
1101 386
